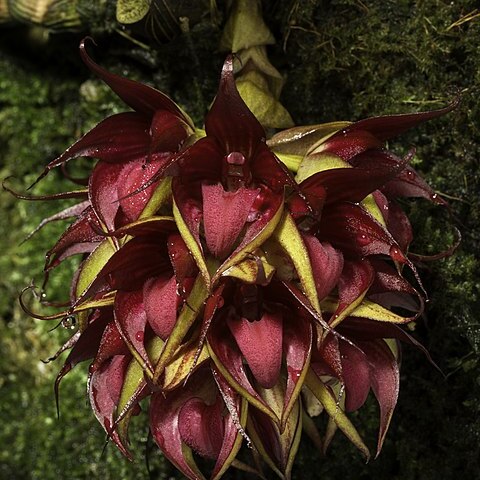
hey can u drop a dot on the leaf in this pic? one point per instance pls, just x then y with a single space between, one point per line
301 140
245 27
185 320
92 266
328 401
368 309
266 108
192 240
290 239
131 11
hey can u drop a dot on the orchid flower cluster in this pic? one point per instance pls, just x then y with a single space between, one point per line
232 286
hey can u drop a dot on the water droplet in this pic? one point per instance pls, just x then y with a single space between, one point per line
363 239
235 158
69 322
396 254
139 336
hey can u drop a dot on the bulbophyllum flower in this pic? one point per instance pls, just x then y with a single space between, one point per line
229 298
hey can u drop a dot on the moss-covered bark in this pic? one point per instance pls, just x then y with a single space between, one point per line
345 59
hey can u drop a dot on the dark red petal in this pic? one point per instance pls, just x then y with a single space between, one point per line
372 170
116 139
385 378
87 344
410 184
111 344
167 132
189 205
182 261
399 225
165 411
73 211
105 386
389 126
266 205
82 234
224 216
348 143
230 121
356 278
201 162
142 98
261 344
161 300
131 320
267 169
297 344
201 426
103 192
327 265
327 359
224 347
134 175
356 233
128 268
356 375
232 425
365 329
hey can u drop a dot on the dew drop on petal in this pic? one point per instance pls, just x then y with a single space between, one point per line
363 239
139 336
396 254
69 322
235 158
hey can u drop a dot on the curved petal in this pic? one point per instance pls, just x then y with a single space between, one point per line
224 216
354 282
131 320
297 344
229 361
80 237
161 301
230 121
385 378
410 184
119 138
261 344
356 233
105 385
388 126
142 98
103 192
327 265
356 376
